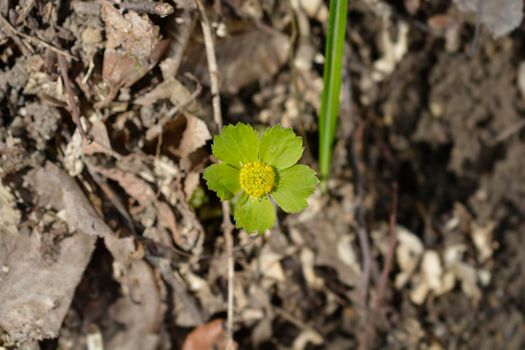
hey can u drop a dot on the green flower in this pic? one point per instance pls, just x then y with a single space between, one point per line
260 169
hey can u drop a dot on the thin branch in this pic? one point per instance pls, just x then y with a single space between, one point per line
387 267
4 23
227 226
73 108
361 224
212 65
10 31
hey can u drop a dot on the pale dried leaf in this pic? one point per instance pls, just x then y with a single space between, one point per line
408 253
270 266
307 263
482 238
305 337
393 50
500 16
431 269
313 8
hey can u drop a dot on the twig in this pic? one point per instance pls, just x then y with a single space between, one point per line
212 65
161 9
157 128
185 25
505 134
10 31
227 226
73 108
59 52
387 267
6 25
361 227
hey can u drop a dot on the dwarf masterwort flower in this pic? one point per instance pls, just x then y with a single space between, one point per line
257 170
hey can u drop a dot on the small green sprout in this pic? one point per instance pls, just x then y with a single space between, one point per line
260 169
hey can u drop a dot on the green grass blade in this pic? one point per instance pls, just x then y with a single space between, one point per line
332 84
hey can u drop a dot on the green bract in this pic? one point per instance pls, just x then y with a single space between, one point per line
260 169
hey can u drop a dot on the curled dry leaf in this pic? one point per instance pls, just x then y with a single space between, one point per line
194 137
500 16
209 336
393 51
133 47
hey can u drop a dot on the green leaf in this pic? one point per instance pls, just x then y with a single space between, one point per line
236 144
334 52
223 179
295 185
254 214
280 147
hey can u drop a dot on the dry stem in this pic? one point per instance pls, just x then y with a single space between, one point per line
227 226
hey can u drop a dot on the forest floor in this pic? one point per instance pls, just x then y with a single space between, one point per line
111 240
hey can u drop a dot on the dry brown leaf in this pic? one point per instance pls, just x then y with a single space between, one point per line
170 89
100 135
48 284
167 220
500 16
133 47
58 190
55 188
243 59
36 293
194 137
137 188
139 313
209 336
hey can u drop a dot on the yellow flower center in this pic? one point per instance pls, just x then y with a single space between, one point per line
257 178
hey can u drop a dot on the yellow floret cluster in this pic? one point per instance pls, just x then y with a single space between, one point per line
257 178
